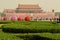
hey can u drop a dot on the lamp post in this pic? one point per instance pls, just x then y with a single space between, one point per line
37 18
31 16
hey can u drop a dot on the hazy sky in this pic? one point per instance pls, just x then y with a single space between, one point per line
47 5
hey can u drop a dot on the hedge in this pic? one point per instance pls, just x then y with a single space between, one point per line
5 22
34 37
40 35
32 27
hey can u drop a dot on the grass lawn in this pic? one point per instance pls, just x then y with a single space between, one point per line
11 36
33 26
7 36
30 25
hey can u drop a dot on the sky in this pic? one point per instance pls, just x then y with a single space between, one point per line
46 5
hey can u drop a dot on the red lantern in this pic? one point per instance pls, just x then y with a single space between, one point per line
27 18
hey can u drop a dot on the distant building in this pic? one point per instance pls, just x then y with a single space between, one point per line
34 11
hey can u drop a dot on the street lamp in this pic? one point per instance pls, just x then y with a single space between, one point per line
31 16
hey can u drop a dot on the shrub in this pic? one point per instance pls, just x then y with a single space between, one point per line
4 18
20 19
13 18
